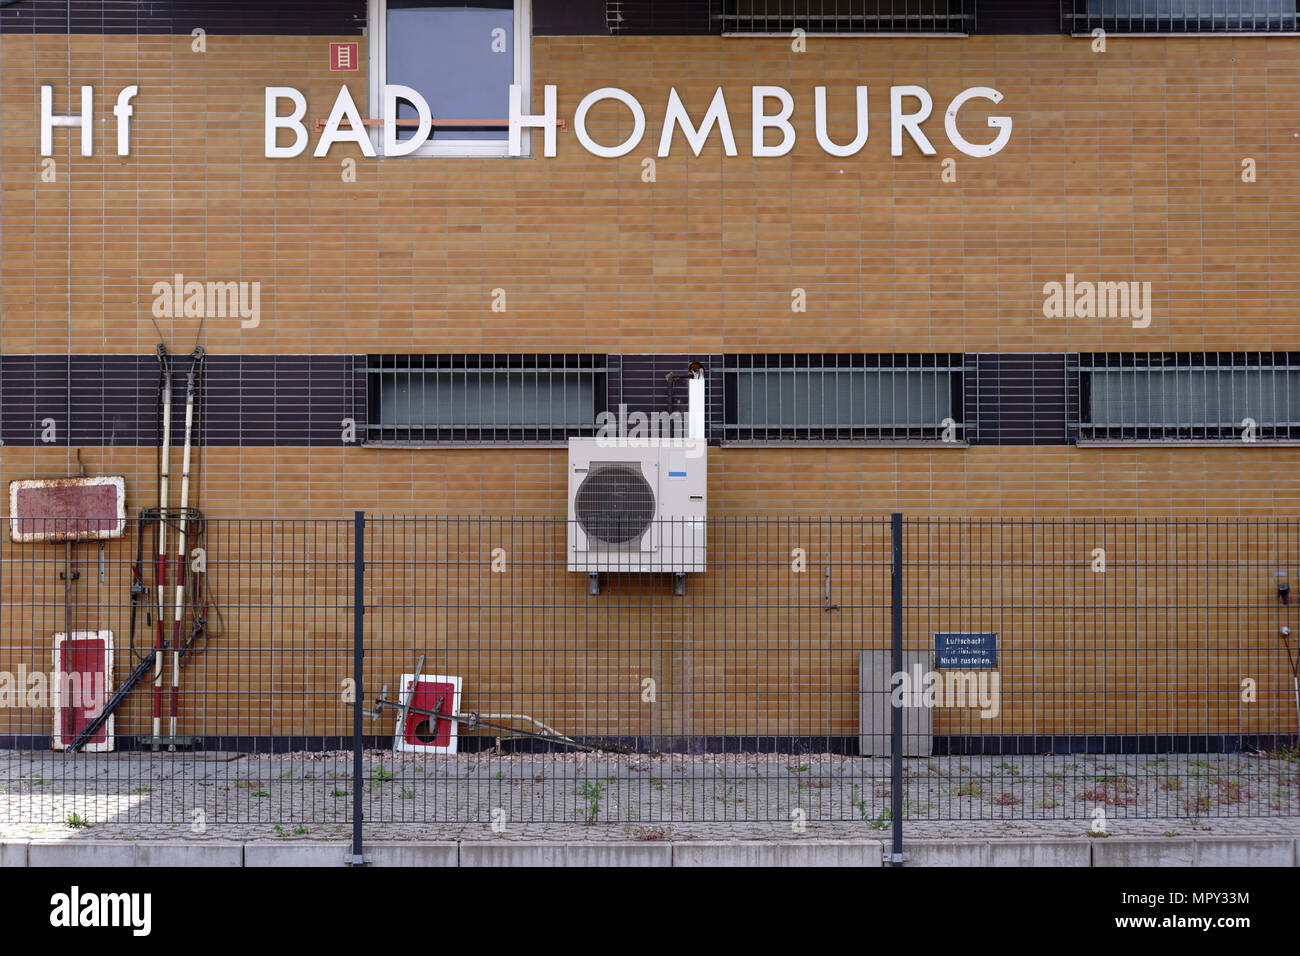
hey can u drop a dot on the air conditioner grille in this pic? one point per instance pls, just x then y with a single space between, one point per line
614 504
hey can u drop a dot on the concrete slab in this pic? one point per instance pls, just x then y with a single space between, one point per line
1165 851
773 853
13 854
410 854
115 853
87 853
945 852
293 853
1076 852
875 710
194 853
509 853
1246 851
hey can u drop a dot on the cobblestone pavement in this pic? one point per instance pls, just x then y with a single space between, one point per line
640 797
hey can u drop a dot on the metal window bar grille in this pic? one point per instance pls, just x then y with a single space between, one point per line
845 16
485 399
842 398
1180 397
1179 16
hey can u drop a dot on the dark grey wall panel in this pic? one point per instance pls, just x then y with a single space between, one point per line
1018 16
230 17
112 399
664 17
640 382
570 18
1016 399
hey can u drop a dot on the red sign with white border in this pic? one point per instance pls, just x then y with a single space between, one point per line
344 56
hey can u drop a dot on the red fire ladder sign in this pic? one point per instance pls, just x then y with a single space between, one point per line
83 682
422 733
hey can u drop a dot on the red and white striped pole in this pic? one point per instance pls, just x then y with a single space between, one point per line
181 554
159 642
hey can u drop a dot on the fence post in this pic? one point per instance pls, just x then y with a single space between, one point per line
896 667
358 653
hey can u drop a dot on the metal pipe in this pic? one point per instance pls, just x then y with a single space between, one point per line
67 589
161 569
695 405
358 675
196 364
1295 686
546 728
562 123
896 805
1294 661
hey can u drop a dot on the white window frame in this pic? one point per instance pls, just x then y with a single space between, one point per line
377 37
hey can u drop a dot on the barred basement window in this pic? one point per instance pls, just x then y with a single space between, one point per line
842 398
1187 397
1178 16
483 399
846 16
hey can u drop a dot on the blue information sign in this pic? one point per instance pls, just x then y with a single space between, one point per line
965 651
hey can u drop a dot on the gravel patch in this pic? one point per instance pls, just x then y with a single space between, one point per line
308 796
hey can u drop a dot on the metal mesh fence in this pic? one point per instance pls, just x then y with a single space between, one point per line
1141 668
1046 670
264 644
678 707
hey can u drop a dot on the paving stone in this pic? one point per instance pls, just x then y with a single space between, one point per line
641 798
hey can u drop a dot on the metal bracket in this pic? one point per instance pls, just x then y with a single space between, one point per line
404 698
354 860
826 592
893 857
379 705
561 123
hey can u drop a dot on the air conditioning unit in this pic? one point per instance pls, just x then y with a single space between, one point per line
638 504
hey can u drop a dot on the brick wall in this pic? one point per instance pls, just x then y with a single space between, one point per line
1122 166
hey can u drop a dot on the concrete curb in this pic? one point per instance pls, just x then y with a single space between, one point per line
128 853
554 853
1107 852
335 853
1026 852
1260 851
778 853
13 854
1048 852
1195 851
411 854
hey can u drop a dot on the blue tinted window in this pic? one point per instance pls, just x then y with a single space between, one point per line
459 58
